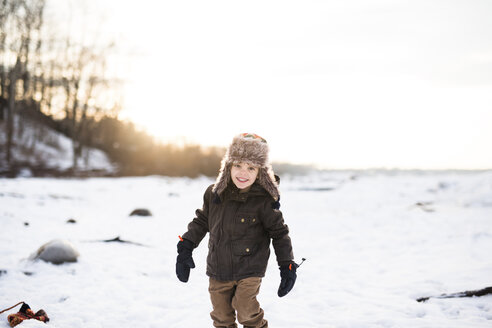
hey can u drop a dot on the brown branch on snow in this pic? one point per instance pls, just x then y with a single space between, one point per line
468 293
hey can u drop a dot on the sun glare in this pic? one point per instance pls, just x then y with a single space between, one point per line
320 86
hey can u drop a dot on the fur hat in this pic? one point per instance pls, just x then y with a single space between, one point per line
251 149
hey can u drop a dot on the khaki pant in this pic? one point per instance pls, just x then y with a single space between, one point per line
229 297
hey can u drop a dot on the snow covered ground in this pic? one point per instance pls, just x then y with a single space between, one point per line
374 242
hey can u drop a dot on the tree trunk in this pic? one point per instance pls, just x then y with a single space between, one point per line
3 105
3 75
3 91
11 110
75 137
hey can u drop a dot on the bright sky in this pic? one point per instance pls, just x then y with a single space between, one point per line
341 83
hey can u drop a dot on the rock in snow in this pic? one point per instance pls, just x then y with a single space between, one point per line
57 252
141 212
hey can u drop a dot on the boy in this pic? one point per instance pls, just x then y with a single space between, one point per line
240 211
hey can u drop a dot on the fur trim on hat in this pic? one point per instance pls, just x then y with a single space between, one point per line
253 150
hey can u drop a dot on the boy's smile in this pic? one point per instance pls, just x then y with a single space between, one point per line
243 175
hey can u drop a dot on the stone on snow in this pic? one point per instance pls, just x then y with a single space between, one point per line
141 212
57 252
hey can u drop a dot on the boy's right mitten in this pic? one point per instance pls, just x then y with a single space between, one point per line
184 260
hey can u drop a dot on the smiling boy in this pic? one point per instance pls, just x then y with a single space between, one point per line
242 218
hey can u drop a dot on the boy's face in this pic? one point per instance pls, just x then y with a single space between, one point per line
243 175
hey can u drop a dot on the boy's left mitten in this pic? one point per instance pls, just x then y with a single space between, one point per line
288 278
184 260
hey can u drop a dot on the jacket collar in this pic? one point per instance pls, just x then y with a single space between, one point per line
234 193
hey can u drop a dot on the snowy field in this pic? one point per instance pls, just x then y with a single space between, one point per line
374 242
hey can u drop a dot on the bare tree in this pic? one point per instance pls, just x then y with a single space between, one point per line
83 84
10 72
18 21
5 14
33 76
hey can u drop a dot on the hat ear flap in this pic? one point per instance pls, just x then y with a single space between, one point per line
223 177
266 178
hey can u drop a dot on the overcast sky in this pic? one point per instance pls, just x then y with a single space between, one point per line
341 84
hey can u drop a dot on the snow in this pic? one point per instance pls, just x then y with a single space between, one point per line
371 251
38 145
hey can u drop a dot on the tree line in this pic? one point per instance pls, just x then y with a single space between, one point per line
140 154
61 81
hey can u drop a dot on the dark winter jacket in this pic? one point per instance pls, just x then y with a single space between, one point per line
241 226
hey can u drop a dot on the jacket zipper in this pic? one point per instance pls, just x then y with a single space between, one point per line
238 204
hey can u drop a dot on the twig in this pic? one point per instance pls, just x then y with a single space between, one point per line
10 308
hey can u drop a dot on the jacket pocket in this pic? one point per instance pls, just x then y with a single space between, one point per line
243 248
243 223
247 258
